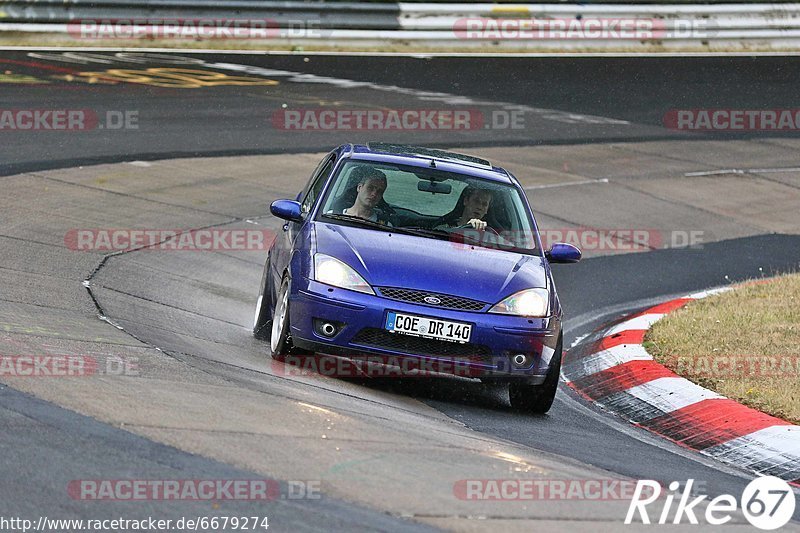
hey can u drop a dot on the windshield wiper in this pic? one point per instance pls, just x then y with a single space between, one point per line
426 232
491 242
359 220
440 234
485 240
447 235
418 231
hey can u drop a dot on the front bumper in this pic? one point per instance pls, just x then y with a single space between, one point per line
360 332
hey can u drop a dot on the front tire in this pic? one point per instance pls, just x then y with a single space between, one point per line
262 321
280 340
537 399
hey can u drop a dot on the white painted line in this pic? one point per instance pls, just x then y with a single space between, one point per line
741 171
710 292
713 172
652 439
774 170
582 320
288 76
671 393
785 438
425 96
777 445
568 184
637 323
592 337
610 358
578 340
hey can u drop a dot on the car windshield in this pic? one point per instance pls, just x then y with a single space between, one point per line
431 203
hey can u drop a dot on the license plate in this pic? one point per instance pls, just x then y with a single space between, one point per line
430 328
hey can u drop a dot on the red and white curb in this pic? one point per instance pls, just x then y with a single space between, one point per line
612 369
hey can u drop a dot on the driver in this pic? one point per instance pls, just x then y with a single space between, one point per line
369 193
476 205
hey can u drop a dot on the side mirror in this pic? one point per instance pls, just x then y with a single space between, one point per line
287 210
562 252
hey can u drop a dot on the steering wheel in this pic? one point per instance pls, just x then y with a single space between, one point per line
488 228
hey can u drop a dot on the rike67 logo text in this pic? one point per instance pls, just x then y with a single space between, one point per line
767 503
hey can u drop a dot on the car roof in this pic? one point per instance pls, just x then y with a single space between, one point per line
426 157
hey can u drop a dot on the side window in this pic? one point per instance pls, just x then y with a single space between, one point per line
317 183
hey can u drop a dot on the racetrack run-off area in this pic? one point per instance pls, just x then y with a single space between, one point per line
614 369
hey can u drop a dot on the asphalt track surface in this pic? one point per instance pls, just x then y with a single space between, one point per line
566 100
634 93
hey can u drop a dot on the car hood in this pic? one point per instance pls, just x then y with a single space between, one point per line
397 260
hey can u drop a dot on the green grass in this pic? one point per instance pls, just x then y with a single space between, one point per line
744 344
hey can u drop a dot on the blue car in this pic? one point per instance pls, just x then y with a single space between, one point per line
419 255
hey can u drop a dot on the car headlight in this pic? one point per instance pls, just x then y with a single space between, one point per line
530 302
331 271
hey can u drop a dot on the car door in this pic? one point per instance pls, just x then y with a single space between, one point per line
285 243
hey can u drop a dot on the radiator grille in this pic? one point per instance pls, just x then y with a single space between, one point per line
418 297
